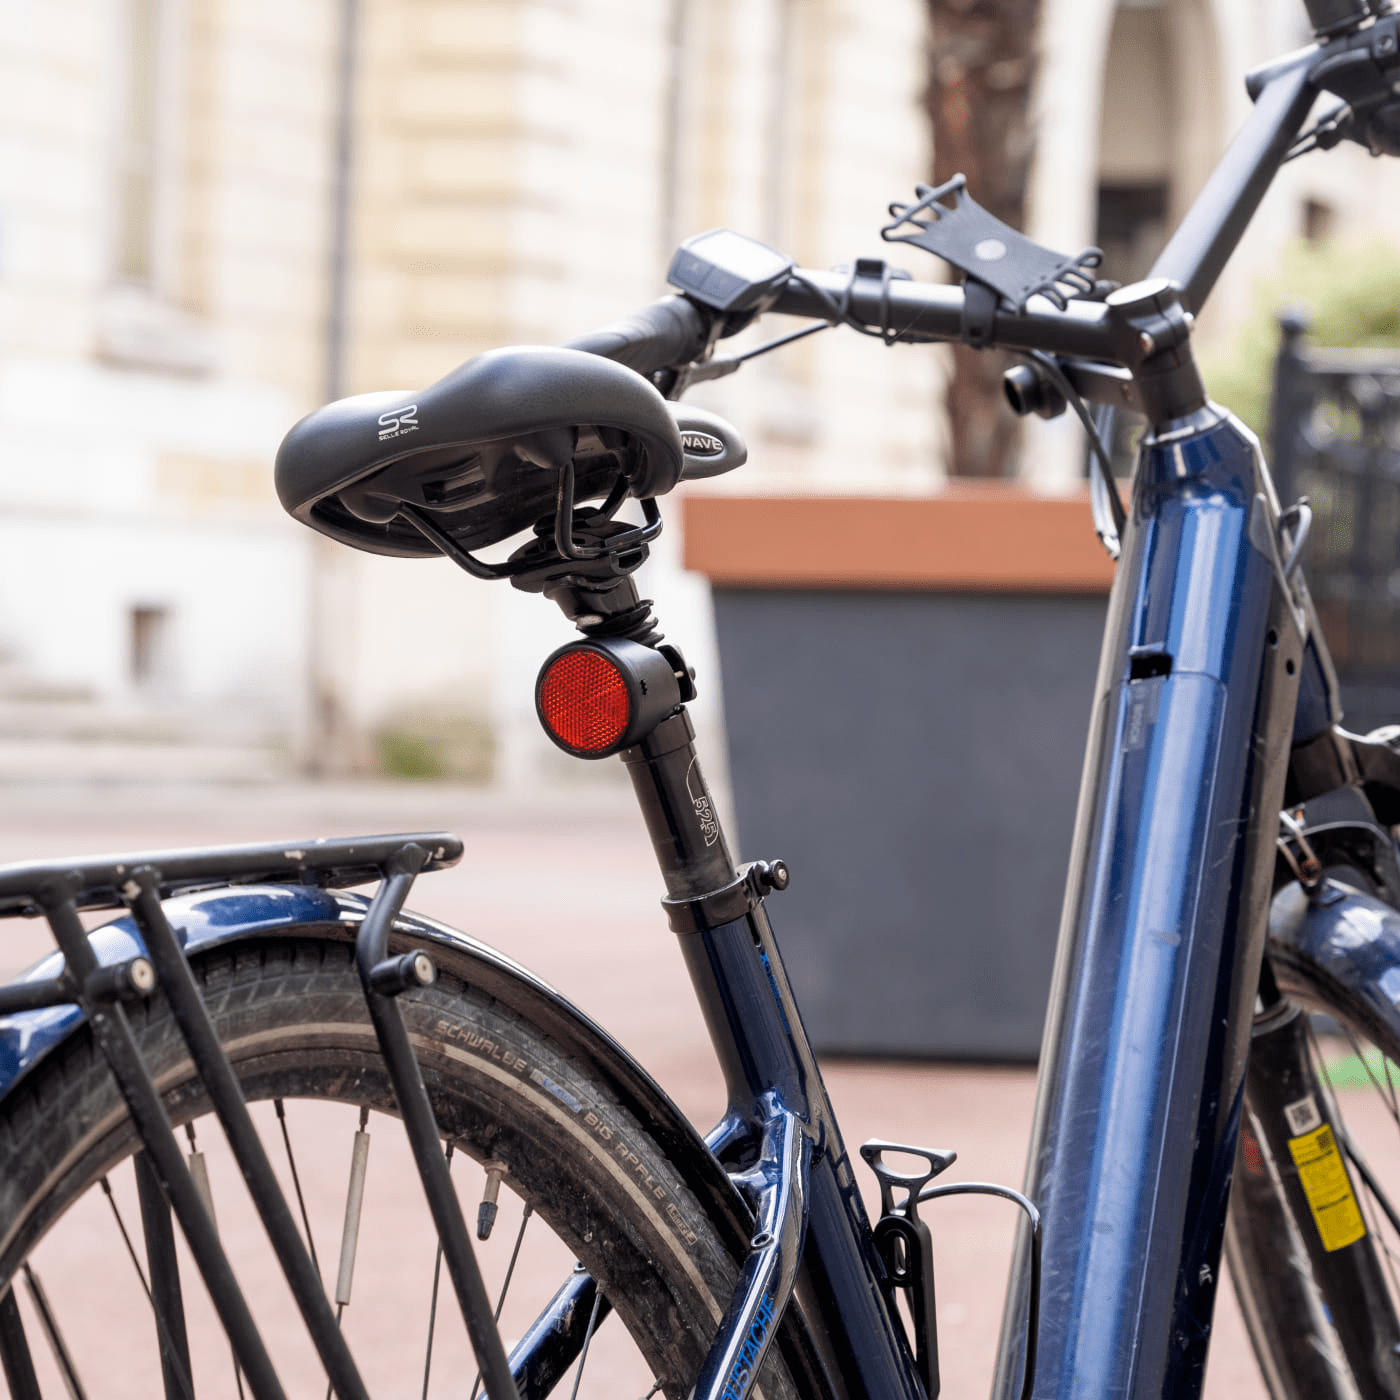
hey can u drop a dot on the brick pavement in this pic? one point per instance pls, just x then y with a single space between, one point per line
569 889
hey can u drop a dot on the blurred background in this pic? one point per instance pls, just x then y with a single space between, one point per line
215 216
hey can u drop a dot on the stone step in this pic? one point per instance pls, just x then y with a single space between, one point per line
19 686
59 759
84 719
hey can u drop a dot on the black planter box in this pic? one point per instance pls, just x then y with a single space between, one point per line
914 754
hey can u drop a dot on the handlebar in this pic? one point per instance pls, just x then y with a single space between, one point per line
672 331
1090 338
933 311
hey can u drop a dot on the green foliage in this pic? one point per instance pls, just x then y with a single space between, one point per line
1352 296
432 744
1361 1071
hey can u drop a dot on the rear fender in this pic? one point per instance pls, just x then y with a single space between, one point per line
235 914
240 914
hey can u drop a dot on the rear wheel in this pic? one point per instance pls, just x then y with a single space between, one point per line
577 1178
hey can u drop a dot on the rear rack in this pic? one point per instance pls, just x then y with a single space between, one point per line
139 883
96 881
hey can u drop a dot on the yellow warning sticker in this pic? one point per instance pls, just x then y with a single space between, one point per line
1325 1183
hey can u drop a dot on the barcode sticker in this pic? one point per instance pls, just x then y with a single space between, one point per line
1302 1116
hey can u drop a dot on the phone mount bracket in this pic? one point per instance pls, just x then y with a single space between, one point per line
1000 264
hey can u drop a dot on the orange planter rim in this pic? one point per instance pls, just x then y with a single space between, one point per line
973 537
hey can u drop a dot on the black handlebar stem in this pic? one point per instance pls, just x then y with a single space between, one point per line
1329 17
1202 244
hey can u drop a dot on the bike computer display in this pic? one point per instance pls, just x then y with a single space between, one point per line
724 270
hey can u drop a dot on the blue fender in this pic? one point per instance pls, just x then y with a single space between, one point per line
231 914
1339 946
202 921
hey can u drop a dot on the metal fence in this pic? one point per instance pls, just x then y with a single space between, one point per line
1334 429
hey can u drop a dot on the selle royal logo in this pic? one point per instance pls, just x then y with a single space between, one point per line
701 444
700 800
397 421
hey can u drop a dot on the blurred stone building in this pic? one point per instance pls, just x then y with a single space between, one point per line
217 213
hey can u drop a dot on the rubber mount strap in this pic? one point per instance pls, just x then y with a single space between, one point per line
980 304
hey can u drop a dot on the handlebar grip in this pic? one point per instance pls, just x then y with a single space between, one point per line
672 331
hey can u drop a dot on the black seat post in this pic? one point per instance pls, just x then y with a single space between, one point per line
680 813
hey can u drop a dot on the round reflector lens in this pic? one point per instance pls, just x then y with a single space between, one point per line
584 701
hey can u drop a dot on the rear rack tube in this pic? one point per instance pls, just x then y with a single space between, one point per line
217 1075
112 1032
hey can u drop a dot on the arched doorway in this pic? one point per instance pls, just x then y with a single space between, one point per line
1160 132
1160 127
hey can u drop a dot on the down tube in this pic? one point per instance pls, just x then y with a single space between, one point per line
1162 933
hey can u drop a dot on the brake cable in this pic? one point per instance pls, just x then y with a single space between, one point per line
1103 488
721 365
1110 519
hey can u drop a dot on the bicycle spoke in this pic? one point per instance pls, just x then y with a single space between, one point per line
15 1355
57 1345
432 1319
432 1306
1372 1200
296 1183
505 1284
587 1338
1387 1097
168 1308
514 1255
199 1172
350 1230
354 1203
1390 1080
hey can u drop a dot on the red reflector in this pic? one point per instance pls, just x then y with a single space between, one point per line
583 699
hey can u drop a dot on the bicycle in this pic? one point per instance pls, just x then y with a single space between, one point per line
1197 932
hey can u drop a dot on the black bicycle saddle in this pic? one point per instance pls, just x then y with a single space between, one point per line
481 450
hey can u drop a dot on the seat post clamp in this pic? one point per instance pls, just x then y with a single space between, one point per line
730 902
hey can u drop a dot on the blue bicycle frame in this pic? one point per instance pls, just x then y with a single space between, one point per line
1211 664
1208 640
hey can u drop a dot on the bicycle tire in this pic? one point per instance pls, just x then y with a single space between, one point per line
291 1015
1291 1317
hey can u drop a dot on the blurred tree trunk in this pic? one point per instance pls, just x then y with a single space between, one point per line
981 64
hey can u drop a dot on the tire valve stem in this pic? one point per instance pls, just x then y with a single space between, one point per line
354 1200
486 1211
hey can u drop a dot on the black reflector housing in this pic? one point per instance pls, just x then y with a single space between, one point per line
596 698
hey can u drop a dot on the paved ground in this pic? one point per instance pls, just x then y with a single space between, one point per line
569 889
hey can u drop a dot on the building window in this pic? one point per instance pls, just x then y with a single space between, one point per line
149 651
142 137
1319 220
1132 227
138 153
141 324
